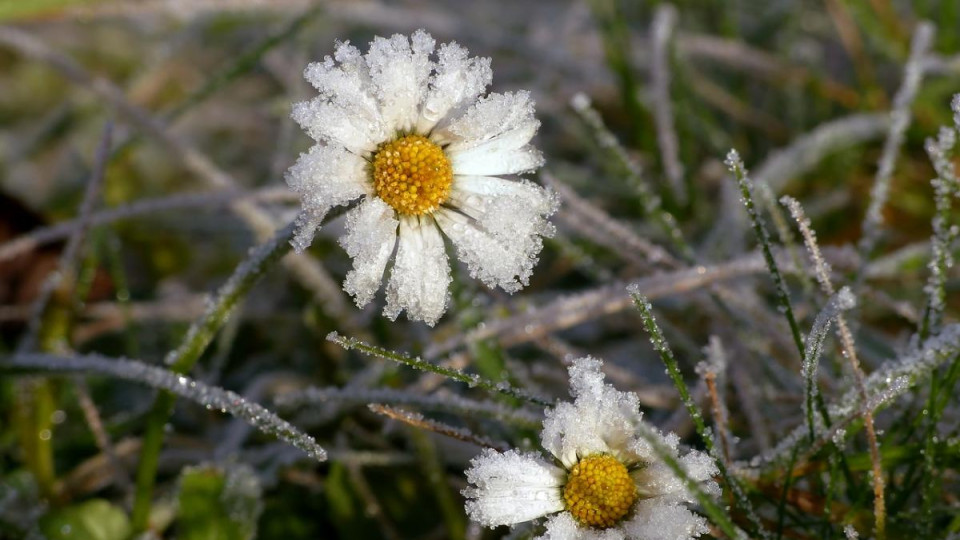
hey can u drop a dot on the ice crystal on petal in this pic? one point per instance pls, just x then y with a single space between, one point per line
512 488
562 527
653 519
400 69
421 273
490 118
507 154
492 136
335 124
459 79
324 177
370 239
501 240
346 82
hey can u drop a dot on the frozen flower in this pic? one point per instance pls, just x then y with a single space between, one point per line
404 129
604 482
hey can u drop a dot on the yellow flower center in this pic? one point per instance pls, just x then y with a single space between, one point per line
599 491
412 175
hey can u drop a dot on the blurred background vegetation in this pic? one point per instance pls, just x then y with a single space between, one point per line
189 83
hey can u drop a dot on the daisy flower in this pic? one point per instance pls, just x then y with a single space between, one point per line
404 129
604 481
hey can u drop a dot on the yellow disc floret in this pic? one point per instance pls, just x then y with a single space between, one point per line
412 174
599 491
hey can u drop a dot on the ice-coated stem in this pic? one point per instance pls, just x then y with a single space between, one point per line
673 370
899 122
735 164
421 364
717 513
210 397
182 359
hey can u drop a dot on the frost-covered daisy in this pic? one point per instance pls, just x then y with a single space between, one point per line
604 482
403 128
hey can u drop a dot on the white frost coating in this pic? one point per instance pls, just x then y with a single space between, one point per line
493 136
487 119
512 488
563 527
601 419
654 519
508 153
899 122
495 263
498 234
211 397
324 177
400 69
458 80
345 81
890 381
370 238
842 301
820 266
510 210
421 273
955 105
333 124
405 86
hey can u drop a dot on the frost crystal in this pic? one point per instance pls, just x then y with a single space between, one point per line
604 425
404 88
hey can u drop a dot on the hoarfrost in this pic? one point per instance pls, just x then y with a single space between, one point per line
511 487
370 238
420 277
324 177
210 397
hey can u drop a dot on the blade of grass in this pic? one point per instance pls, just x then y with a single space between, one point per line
469 379
182 360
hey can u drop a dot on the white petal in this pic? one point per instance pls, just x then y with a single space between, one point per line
400 70
702 468
511 488
505 208
369 240
486 120
495 262
459 79
563 527
421 273
508 153
324 177
498 230
345 81
492 136
653 519
334 123
658 480
601 418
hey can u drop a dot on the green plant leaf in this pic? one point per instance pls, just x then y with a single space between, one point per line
218 505
96 519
